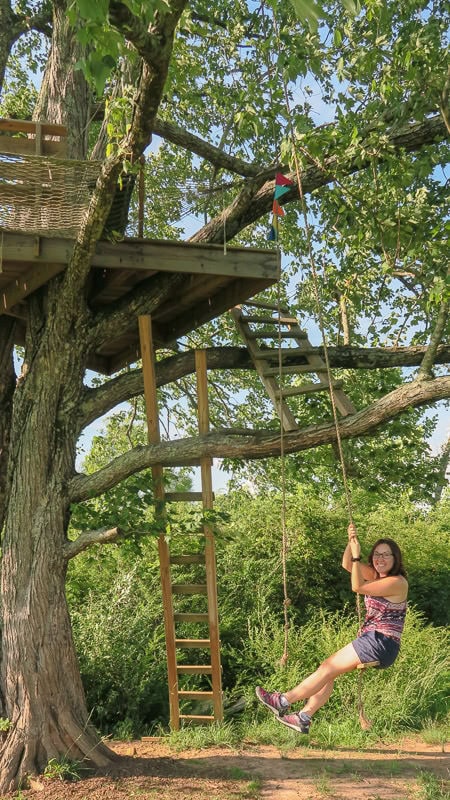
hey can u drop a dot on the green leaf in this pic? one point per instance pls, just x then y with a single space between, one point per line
351 7
308 11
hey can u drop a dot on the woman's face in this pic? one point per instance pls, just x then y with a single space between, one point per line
383 559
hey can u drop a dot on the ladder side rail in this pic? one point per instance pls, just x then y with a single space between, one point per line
261 366
210 554
343 403
151 405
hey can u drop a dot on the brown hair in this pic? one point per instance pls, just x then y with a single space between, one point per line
397 567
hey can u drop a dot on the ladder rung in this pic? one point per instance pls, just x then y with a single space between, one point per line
266 333
268 306
195 695
272 353
292 370
192 558
309 388
194 669
298 369
183 497
188 617
194 643
368 664
189 588
270 320
197 717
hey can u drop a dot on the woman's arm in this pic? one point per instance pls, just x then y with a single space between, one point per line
393 586
367 572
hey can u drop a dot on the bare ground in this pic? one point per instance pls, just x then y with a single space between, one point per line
150 770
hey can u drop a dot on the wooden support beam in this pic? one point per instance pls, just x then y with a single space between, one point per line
150 254
26 284
210 554
151 406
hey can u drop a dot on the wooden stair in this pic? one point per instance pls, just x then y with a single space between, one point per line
183 590
266 321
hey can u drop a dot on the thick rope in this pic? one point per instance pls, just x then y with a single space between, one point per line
363 721
283 513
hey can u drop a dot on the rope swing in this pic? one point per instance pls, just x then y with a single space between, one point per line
364 722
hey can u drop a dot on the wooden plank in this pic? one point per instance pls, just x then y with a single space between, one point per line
210 554
188 588
310 388
270 333
23 146
209 308
269 320
187 694
197 718
194 669
151 254
184 497
273 353
28 126
263 304
187 617
195 644
292 369
21 287
153 434
286 416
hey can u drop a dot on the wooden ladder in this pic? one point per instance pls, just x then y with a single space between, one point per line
268 321
199 647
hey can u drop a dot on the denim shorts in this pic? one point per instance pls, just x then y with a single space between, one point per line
375 646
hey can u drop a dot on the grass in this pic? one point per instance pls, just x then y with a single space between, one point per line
430 788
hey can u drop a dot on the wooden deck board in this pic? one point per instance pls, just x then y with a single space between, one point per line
214 282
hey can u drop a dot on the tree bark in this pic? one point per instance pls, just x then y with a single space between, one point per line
256 444
7 386
99 401
65 97
42 691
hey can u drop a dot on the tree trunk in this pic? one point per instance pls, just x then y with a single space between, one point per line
65 97
7 386
40 680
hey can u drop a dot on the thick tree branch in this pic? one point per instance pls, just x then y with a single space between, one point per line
258 444
150 43
103 398
88 538
425 371
215 155
238 216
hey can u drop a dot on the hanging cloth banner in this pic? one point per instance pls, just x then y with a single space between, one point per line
282 185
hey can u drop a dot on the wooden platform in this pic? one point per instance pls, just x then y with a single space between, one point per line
214 282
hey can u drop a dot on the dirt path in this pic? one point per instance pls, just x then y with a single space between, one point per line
151 771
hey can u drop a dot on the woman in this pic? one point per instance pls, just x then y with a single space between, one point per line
383 583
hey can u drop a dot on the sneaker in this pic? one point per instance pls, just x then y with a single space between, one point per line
298 722
271 700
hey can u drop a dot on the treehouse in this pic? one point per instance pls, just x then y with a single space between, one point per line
43 200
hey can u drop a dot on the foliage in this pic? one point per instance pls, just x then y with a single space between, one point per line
115 599
62 769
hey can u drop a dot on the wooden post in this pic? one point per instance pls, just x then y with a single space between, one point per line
210 555
151 405
141 197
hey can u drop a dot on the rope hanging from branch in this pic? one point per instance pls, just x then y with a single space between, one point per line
278 211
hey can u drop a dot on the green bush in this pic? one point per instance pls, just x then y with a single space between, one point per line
115 599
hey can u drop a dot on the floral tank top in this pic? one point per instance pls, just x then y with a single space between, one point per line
383 616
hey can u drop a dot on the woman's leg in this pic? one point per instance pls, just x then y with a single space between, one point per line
343 661
318 699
